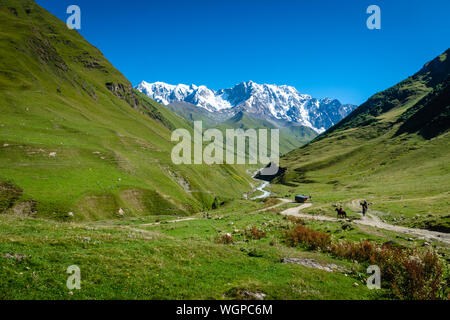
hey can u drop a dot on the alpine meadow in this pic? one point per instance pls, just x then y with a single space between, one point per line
358 208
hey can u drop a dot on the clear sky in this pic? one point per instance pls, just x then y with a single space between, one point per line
323 48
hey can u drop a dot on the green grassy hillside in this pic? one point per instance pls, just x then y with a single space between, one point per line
137 259
393 150
391 103
75 136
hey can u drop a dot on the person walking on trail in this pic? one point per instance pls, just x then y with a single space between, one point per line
365 206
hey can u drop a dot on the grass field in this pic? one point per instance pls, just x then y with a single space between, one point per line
180 260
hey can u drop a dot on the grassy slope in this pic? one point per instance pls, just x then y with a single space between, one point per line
130 259
125 260
366 155
58 94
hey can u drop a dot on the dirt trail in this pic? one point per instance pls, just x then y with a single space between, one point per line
283 201
369 220
167 221
372 220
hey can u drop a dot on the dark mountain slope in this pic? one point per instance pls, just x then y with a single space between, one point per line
401 96
430 116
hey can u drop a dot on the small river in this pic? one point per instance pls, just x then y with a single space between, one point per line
265 192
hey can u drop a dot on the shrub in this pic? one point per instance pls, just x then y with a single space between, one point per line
255 234
296 220
410 273
269 202
225 239
421 276
309 238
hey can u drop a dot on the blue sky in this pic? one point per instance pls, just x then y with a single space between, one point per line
323 48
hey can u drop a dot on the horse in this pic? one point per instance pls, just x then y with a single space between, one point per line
341 213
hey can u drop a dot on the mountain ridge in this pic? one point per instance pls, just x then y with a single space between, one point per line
266 101
401 96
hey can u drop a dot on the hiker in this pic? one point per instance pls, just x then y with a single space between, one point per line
365 206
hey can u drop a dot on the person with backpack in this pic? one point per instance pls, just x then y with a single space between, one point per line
365 206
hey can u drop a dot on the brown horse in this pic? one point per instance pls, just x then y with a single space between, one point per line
341 213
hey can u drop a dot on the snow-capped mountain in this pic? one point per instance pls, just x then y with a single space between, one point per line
265 101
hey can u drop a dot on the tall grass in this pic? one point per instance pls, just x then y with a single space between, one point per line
411 274
255 233
309 238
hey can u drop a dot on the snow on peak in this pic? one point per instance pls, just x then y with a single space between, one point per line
268 101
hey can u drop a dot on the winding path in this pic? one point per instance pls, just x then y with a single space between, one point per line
168 221
369 220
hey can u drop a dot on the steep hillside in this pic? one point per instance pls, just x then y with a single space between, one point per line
77 141
392 150
429 117
395 100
